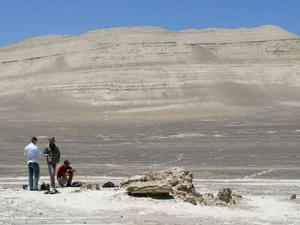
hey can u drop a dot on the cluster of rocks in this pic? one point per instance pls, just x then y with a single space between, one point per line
95 187
177 183
85 187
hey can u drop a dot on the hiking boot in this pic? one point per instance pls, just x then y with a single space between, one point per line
53 191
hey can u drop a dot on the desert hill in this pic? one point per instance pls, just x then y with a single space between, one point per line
149 69
145 95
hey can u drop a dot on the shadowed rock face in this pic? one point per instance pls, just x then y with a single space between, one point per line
132 91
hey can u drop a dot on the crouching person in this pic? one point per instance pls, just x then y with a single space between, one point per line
65 174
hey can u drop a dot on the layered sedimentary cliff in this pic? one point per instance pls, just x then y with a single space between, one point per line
211 72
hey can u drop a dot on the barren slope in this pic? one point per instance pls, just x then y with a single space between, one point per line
150 69
140 84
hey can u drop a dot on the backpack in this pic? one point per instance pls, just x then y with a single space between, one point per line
44 187
108 185
77 184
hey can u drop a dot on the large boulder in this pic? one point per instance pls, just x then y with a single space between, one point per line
176 182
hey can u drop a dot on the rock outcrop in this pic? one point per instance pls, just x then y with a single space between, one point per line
176 182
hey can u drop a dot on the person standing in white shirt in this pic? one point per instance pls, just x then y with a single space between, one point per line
32 153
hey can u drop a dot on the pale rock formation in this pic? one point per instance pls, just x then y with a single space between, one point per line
176 182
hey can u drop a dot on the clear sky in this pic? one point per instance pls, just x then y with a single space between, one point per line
21 19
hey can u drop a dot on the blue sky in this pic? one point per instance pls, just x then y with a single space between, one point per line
21 19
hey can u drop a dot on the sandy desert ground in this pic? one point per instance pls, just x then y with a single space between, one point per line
265 202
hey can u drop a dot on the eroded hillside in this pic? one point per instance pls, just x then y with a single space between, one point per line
202 73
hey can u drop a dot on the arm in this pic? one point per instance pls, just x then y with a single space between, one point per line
58 154
70 170
40 151
45 152
25 150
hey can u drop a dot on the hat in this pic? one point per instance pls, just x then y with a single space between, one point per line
52 139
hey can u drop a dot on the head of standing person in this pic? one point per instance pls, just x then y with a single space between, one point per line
34 140
52 140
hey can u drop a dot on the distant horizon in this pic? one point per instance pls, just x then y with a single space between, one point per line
164 28
21 20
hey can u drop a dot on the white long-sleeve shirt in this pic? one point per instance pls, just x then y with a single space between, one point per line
32 152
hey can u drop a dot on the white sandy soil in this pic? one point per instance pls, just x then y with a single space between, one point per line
265 202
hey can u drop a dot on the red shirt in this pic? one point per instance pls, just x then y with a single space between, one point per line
63 170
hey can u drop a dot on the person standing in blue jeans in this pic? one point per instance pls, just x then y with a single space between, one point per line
32 153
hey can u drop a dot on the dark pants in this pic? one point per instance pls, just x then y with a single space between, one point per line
34 175
52 168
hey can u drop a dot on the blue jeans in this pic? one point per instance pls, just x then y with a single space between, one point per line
34 175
